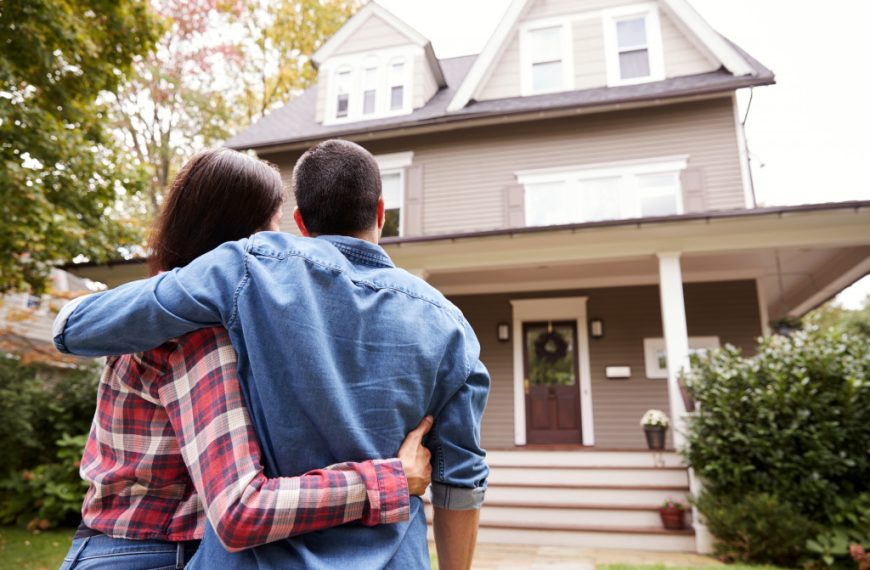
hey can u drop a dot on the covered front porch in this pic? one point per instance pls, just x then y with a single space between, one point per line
631 299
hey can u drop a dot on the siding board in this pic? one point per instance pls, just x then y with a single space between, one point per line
375 34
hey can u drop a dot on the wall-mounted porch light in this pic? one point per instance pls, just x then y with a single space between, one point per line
504 332
596 328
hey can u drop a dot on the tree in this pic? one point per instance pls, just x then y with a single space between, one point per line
60 173
219 65
831 314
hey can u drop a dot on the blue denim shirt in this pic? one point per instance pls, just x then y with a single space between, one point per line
340 355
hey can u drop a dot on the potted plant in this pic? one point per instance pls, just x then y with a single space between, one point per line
672 513
655 423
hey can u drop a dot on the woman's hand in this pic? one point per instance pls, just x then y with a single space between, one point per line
416 459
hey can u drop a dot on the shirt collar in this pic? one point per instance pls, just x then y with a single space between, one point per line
360 251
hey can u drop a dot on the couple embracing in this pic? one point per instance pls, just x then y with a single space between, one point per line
268 357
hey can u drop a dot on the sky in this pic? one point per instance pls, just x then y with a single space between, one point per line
809 135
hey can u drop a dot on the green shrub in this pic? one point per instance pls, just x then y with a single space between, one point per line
784 433
47 414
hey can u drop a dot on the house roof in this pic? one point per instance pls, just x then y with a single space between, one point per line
295 122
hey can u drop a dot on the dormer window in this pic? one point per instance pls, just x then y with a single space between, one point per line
633 45
546 58
342 93
370 88
397 85
369 85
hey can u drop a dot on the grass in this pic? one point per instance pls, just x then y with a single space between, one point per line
22 549
664 567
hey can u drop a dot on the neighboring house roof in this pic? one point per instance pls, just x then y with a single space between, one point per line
295 122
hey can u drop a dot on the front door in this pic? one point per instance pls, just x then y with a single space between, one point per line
550 382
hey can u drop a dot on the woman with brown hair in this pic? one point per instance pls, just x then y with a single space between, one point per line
172 446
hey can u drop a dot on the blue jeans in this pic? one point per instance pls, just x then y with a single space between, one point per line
101 551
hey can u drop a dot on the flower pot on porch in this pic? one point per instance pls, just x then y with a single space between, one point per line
655 436
673 518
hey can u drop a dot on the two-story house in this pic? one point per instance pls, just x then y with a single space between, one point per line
580 189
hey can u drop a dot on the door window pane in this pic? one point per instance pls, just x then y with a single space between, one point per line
550 354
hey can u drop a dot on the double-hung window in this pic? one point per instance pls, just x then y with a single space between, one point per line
397 85
370 88
392 183
546 66
342 93
604 192
633 45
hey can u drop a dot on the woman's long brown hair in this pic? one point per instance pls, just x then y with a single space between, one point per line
219 195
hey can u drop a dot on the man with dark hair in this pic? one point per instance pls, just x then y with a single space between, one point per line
340 355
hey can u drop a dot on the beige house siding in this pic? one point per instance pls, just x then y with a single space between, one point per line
467 173
728 310
375 34
425 85
322 91
681 57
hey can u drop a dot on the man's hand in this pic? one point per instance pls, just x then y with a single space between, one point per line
416 459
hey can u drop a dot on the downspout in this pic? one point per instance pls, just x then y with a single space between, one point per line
746 148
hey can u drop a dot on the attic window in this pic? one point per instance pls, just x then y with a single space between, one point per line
369 85
633 45
633 48
370 89
546 60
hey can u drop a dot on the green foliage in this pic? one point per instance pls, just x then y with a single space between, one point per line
850 524
59 174
831 315
47 416
781 439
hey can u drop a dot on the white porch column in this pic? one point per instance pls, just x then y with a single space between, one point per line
677 347
676 336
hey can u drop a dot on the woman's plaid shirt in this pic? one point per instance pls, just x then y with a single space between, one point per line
172 443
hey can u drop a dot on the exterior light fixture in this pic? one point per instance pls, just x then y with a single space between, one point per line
596 328
504 332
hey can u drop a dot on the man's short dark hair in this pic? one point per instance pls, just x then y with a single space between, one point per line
337 185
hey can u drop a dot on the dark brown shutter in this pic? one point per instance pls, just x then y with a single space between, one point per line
413 211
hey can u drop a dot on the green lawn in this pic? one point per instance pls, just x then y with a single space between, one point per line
663 567
22 549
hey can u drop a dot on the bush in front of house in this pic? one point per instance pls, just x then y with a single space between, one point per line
782 443
46 413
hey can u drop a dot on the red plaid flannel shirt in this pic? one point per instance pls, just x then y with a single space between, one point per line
172 443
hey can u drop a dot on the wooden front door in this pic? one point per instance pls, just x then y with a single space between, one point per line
550 381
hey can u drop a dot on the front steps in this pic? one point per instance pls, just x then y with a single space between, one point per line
584 499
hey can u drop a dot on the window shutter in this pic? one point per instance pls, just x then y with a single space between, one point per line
413 208
692 182
515 211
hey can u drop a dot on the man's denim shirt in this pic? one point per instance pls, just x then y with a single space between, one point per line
340 355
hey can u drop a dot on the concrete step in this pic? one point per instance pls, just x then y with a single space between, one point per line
585 515
553 475
640 538
498 458
584 495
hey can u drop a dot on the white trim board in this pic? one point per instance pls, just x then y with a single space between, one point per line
555 308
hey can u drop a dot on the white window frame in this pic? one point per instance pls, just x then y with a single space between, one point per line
397 162
650 12
567 45
653 347
623 169
368 63
357 64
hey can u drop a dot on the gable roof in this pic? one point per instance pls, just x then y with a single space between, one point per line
372 10
686 17
295 123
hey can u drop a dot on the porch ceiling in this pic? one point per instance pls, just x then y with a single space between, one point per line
800 259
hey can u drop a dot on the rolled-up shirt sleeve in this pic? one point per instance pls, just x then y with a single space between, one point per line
459 469
143 314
